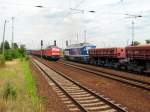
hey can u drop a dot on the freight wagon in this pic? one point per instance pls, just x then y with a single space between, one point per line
130 58
110 57
138 58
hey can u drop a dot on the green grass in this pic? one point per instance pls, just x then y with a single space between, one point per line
18 92
2 60
31 87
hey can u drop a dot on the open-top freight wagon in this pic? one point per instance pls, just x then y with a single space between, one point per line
131 58
109 57
138 58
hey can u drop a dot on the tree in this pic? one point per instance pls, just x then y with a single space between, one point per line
10 54
22 46
135 43
6 45
15 45
22 50
1 45
147 41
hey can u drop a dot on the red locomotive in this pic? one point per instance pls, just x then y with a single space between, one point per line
51 52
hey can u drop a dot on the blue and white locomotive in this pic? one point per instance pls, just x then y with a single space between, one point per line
78 52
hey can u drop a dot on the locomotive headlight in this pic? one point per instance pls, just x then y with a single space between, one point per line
55 49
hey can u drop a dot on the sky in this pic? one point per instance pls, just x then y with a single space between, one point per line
109 26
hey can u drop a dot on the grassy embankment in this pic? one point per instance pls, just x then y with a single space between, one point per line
18 92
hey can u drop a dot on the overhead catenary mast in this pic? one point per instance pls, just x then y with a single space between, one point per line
133 16
12 41
3 50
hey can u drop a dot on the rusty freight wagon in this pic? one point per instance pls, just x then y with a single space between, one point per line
139 58
107 56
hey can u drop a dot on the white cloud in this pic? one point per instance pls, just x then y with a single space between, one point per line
107 27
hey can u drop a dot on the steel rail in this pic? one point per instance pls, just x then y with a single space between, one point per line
83 65
115 106
59 86
130 81
78 64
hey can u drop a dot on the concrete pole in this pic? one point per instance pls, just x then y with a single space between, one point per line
3 47
133 32
12 41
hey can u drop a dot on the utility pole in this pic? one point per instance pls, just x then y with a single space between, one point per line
133 24
84 36
3 47
133 32
12 41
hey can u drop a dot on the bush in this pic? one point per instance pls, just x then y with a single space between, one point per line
13 54
2 60
26 57
8 54
22 52
9 91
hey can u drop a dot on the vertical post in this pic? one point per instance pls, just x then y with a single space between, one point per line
41 48
62 44
66 43
3 50
54 42
77 38
133 32
84 36
12 42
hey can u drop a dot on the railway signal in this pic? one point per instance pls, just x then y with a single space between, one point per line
54 42
41 47
67 43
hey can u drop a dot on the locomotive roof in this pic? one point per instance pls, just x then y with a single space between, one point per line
51 46
80 45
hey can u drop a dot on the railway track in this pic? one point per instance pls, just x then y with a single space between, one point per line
82 98
136 83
